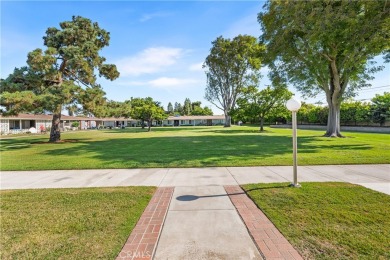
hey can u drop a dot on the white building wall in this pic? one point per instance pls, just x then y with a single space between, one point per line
109 123
4 126
42 125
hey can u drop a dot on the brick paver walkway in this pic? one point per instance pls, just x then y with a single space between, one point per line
142 241
271 243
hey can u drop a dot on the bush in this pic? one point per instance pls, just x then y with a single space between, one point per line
75 124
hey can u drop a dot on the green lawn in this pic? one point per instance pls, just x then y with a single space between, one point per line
328 220
91 223
189 147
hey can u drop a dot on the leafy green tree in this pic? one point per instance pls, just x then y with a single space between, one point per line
260 103
146 109
170 109
201 111
187 108
60 74
381 108
93 101
231 66
73 109
318 115
354 112
196 104
325 46
118 109
303 113
207 111
178 109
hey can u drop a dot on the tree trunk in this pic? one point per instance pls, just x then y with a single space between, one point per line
55 134
261 124
149 125
333 127
142 124
228 121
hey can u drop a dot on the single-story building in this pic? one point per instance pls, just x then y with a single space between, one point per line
113 122
170 121
23 123
194 120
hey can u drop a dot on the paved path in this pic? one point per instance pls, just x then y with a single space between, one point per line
202 213
376 177
205 222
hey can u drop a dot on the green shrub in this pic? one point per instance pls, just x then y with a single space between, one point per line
75 124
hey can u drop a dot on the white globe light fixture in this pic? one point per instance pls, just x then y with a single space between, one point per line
294 105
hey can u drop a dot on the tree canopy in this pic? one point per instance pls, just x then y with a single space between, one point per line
381 108
260 103
170 109
231 66
325 46
63 74
189 109
146 109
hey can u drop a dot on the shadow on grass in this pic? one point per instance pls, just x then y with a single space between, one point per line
239 131
195 151
11 144
14 143
154 129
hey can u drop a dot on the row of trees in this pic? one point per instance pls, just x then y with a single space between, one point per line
316 46
351 112
143 109
189 109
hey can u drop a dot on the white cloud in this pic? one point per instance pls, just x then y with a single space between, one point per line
130 83
147 17
196 67
148 61
167 83
171 83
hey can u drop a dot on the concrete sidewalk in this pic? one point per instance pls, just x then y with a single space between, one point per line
202 223
202 213
376 177
205 222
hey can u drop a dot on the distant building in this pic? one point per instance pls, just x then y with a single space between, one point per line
22 123
194 120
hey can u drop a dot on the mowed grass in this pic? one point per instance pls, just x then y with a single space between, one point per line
190 147
328 220
91 223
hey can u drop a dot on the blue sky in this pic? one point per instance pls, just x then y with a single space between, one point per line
158 46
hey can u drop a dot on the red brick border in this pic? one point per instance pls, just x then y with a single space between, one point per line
142 241
271 243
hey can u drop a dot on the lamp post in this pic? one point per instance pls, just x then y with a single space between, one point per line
294 105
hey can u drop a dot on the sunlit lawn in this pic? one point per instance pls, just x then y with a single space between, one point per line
189 147
328 220
91 223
